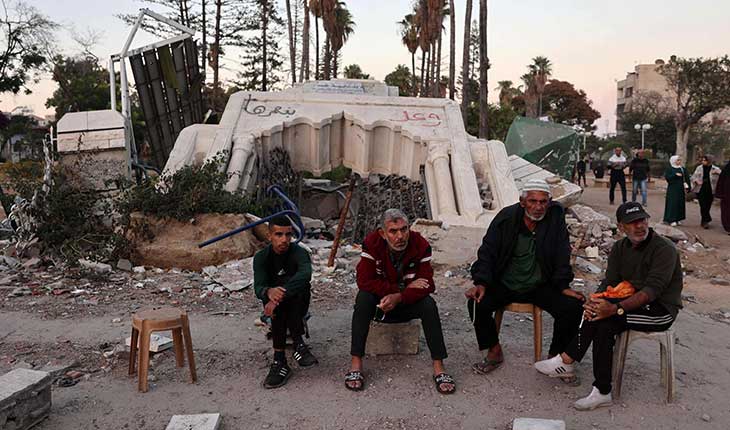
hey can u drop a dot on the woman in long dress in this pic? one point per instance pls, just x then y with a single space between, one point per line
677 184
722 191
704 182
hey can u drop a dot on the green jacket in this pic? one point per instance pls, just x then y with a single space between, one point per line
654 268
291 270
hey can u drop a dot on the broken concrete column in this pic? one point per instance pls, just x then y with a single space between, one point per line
438 156
195 422
393 338
25 398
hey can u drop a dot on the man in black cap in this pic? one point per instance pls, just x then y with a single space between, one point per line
651 264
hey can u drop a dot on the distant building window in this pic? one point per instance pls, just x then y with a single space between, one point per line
628 92
620 109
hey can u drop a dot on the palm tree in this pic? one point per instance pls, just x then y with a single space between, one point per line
409 37
506 93
542 68
452 50
329 23
530 95
316 8
483 69
465 62
344 27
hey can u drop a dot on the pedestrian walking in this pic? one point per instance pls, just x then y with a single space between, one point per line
617 164
677 186
639 169
722 191
704 182
580 168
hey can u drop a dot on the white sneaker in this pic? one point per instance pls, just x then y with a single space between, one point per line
674 224
593 401
555 368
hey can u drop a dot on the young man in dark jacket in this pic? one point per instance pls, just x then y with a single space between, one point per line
395 281
652 265
524 258
281 275
639 169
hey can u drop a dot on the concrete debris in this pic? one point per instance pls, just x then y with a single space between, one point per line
158 342
311 224
587 215
138 269
8 261
393 338
233 276
20 291
719 281
669 232
124 264
94 266
592 252
25 398
585 266
195 422
537 424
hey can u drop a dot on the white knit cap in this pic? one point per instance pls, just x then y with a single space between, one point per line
537 185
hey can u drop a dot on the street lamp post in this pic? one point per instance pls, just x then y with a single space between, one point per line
642 128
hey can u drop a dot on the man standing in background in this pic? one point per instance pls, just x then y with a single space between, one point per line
617 164
639 169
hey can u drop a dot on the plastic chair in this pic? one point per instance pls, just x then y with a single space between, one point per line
162 319
666 352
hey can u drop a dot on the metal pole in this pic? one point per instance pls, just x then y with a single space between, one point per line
125 87
341 224
112 85
642 138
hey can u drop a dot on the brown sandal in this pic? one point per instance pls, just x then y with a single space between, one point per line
486 366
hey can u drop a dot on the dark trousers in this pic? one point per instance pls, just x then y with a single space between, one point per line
705 197
289 315
566 311
424 309
651 317
617 177
582 175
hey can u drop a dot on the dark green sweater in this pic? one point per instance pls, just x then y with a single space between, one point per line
653 267
291 270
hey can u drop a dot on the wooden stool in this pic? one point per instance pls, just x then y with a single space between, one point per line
666 353
162 319
525 308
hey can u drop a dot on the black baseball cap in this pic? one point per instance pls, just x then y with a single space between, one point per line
630 212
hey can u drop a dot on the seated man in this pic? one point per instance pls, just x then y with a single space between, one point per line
281 275
651 264
524 258
395 280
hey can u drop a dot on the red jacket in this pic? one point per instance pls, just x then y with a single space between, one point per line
376 273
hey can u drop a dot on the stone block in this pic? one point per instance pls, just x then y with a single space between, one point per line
537 424
195 422
25 398
393 338
158 342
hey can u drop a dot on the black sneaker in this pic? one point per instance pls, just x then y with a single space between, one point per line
278 375
304 356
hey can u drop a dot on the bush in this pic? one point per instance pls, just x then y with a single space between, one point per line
189 191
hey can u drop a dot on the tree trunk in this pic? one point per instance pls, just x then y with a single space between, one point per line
216 44
335 64
316 51
204 49
434 59
327 58
682 140
413 77
304 69
423 74
437 80
264 46
483 69
452 51
465 62
426 91
292 44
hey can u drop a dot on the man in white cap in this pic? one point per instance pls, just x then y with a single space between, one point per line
524 258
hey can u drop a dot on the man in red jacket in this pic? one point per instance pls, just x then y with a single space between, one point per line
395 279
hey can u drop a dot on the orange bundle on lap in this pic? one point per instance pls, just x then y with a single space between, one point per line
621 291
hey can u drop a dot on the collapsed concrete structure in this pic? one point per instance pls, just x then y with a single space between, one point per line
365 126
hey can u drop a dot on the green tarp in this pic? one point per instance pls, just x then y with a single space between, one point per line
554 147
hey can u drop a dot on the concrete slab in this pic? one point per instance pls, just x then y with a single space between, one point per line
195 422
25 398
393 338
537 424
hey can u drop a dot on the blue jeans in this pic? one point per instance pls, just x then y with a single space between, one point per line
639 183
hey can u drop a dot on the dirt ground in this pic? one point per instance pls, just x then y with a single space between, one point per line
233 356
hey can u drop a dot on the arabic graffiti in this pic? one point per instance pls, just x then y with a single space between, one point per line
430 120
263 111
